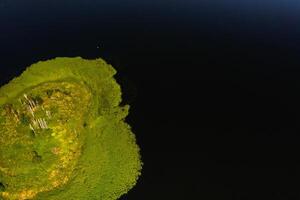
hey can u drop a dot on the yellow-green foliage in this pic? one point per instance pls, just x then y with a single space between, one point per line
83 151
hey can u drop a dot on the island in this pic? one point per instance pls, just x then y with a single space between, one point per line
63 133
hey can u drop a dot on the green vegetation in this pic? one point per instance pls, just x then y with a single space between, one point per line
63 135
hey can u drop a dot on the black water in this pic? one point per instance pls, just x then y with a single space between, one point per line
214 85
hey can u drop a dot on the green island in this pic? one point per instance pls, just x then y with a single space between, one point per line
63 134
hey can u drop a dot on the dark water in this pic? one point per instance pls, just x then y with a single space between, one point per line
214 85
